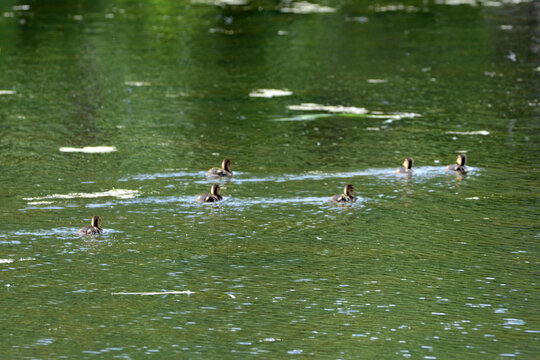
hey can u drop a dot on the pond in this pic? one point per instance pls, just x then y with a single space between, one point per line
118 108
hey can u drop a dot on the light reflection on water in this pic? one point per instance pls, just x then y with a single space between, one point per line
422 266
423 172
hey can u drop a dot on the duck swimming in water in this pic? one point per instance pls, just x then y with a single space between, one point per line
346 197
460 166
214 196
407 167
224 171
93 229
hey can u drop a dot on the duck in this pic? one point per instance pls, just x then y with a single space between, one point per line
93 229
460 166
407 167
224 171
214 196
346 197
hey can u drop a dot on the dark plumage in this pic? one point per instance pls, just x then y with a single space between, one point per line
407 167
214 196
460 166
346 197
93 229
224 171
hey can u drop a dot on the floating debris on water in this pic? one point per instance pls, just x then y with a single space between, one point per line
6 261
117 193
306 117
456 2
342 111
188 292
137 83
269 93
270 340
90 149
221 2
304 7
21 7
399 7
488 3
377 81
330 108
7 92
480 132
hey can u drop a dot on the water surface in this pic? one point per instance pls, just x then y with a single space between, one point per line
118 108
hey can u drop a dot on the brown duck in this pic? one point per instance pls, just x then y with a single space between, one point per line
93 229
347 196
407 167
224 171
214 196
460 166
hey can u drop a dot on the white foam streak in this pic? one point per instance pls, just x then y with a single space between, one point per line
340 109
330 108
177 174
137 83
187 292
304 7
270 93
7 92
221 2
90 149
480 132
422 171
117 193
490 3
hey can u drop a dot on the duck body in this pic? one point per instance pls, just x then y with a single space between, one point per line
224 171
93 229
346 197
456 167
460 164
213 196
407 167
208 198
341 199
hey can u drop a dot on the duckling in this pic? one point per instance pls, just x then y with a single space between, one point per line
214 196
460 166
407 167
347 195
92 229
224 171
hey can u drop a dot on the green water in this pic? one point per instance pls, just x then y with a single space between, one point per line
434 266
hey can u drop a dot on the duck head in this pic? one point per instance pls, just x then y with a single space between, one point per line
226 165
349 191
96 221
461 159
408 163
215 190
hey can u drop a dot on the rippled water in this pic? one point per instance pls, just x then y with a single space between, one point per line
119 108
